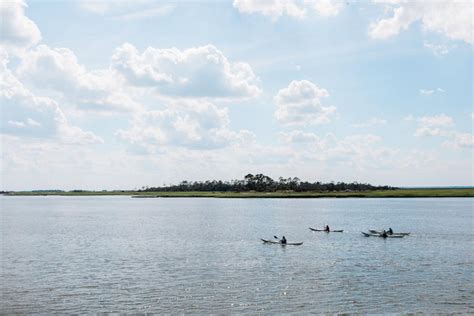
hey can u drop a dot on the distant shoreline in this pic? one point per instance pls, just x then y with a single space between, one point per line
398 193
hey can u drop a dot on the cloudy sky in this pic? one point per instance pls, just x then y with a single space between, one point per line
109 95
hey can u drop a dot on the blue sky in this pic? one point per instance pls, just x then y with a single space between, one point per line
124 94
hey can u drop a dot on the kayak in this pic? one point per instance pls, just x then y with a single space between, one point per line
379 232
378 235
323 230
277 242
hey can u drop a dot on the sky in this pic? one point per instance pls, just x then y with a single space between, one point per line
125 94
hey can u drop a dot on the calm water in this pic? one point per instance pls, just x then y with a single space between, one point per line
118 254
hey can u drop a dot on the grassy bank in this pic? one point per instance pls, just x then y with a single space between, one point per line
399 193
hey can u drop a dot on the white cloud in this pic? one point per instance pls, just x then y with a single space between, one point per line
195 72
438 49
16 123
443 126
298 136
450 18
300 104
17 30
271 8
426 92
326 7
58 69
32 122
24 114
401 20
29 122
292 8
437 125
461 140
126 10
441 120
431 91
362 152
190 124
374 121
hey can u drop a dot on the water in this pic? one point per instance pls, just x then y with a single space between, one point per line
118 254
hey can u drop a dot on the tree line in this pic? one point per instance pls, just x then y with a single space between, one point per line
263 183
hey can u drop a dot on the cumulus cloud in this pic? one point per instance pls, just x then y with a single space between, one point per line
58 69
190 124
17 30
442 125
361 151
300 104
24 114
453 19
292 8
326 7
195 72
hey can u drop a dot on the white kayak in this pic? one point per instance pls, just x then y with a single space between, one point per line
379 235
325 231
379 232
278 242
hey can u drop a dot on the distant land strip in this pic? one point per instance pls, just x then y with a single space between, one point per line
394 193
262 186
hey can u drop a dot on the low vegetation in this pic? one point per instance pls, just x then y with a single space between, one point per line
396 193
262 186
263 183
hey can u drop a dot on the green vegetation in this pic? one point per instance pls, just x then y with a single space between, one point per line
263 183
262 186
397 193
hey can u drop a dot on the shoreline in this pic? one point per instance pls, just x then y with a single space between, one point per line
398 193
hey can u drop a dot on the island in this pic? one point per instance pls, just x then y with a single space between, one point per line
262 186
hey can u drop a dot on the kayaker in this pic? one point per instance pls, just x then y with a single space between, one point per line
390 231
283 240
384 234
327 229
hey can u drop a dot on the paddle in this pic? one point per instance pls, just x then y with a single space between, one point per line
279 240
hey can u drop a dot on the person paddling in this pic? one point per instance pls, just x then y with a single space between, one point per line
384 234
283 240
390 231
326 229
